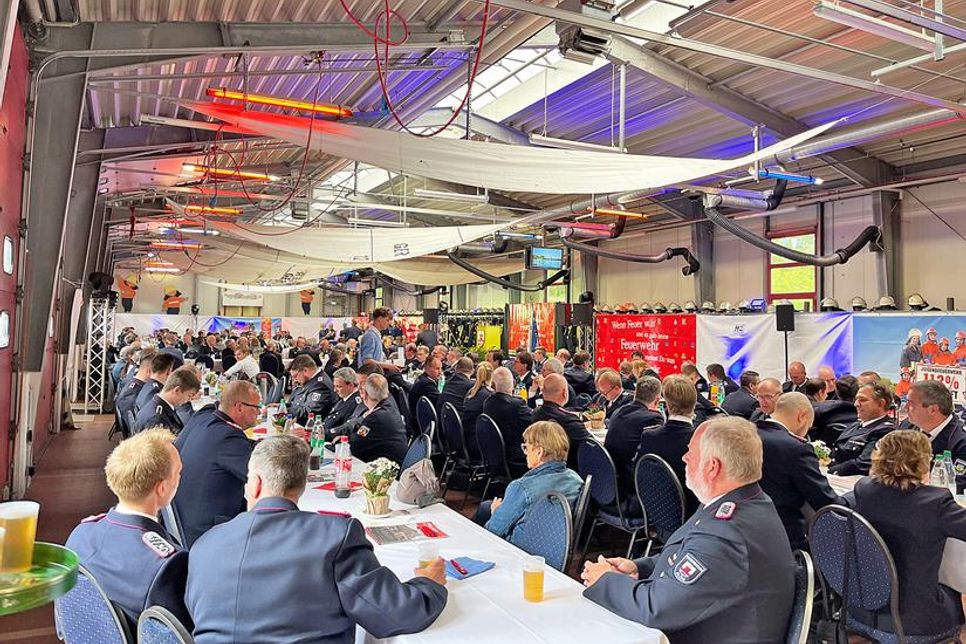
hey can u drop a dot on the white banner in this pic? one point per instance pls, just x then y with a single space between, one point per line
149 323
241 298
741 342
953 377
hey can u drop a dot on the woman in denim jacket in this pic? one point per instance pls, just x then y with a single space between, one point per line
545 445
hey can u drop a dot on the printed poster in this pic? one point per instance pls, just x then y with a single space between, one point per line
667 340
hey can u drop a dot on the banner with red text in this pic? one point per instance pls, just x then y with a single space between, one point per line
953 377
532 326
666 340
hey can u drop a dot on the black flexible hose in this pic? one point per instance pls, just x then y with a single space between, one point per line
393 285
529 288
871 235
693 264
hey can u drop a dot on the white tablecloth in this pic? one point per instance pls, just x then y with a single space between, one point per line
952 572
489 607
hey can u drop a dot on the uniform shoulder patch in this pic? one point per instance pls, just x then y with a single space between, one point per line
726 510
960 466
158 544
363 431
316 397
689 569
94 518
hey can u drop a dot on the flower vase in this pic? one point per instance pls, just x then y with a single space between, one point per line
596 420
377 505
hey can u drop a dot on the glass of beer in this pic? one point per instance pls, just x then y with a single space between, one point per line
533 578
428 553
19 522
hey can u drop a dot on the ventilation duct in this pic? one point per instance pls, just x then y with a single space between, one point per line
693 264
493 279
583 44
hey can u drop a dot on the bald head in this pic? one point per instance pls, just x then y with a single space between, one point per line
796 372
794 410
769 390
555 389
502 380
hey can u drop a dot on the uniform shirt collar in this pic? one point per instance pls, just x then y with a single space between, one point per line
680 419
165 403
275 503
121 509
939 428
870 422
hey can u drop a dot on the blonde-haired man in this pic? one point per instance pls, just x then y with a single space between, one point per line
725 575
129 553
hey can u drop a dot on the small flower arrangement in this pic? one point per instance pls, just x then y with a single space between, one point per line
211 378
279 419
822 452
376 479
595 413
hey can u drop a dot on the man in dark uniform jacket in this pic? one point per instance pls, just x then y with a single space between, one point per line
162 364
511 415
743 402
319 593
578 375
670 441
215 454
380 430
348 400
314 393
523 369
769 389
931 410
852 453
427 384
454 391
727 575
129 389
129 553
351 332
628 423
703 408
611 394
554 401
700 383
797 378
790 472
717 375
180 387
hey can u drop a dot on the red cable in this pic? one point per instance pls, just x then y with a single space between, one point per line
373 34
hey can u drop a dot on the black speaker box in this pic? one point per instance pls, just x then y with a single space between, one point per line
581 315
563 315
785 317
431 316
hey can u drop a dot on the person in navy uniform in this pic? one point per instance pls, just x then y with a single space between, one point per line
379 431
797 377
931 410
626 426
555 393
511 415
298 576
181 386
130 554
717 375
833 416
578 375
314 393
456 386
523 369
162 364
671 440
345 383
743 402
215 454
703 408
535 395
427 384
727 575
915 520
611 395
790 472
852 453
769 389
129 389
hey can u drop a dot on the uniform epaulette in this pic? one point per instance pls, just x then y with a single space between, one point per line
726 510
158 544
94 518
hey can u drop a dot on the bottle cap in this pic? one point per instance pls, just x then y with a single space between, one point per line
343 439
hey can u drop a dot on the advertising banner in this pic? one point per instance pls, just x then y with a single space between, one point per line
241 298
742 342
532 326
953 377
881 339
410 326
666 340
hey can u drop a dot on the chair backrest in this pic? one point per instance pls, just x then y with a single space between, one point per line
594 461
171 522
581 506
266 383
855 561
418 450
157 625
547 530
452 431
276 393
122 424
86 616
660 494
205 360
489 439
402 402
425 416
130 422
582 400
801 617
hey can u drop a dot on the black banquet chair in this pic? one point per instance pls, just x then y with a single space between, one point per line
86 616
426 420
801 617
623 514
418 450
547 530
489 438
157 625
661 497
266 383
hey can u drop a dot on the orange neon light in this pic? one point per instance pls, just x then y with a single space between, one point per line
213 210
228 172
321 108
619 213
175 245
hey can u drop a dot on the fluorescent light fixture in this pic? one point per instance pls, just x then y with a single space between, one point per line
550 142
228 173
788 176
925 58
451 196
920 19
305 106
201 231
377 222
162 269
872 25
175 245
509 235
619 213
213 210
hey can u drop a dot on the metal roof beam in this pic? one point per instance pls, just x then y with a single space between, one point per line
852 163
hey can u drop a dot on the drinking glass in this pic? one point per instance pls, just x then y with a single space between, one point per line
428 553
533 568
18 519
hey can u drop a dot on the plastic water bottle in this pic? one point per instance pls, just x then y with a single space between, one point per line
343 468
281 407
938 476
950 471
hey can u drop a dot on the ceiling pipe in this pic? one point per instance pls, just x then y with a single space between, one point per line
693 264
493 279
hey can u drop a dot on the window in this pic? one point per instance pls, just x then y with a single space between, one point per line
7 255
789 280
4 329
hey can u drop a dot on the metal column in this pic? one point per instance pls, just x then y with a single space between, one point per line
100 331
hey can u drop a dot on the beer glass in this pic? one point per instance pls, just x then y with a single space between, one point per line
19 522
533 578
428 553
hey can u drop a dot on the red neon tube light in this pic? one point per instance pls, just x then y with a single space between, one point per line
321 108
213 210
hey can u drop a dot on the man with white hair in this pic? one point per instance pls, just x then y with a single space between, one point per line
827 375
511 415
797 377
767 395
790 473
319 593
380 430
725 575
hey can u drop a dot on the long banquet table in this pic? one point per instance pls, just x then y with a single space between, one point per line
952 572
488 607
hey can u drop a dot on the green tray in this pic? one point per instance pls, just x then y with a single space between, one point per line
54 572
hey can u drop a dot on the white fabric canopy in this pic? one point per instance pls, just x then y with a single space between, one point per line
491 165
363 246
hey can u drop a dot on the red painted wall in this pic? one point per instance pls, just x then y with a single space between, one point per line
12 133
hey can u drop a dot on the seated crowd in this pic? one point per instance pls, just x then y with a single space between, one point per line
746 468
